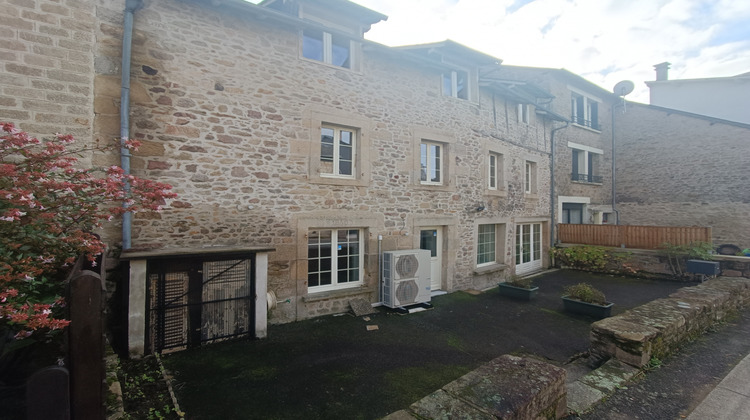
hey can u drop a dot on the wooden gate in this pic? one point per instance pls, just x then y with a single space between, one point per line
196 301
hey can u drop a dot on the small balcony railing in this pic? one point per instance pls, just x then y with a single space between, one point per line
594 179
587 123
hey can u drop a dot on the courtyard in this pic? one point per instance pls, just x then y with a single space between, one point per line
366 367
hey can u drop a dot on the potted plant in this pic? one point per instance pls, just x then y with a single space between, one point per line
584 299
518 288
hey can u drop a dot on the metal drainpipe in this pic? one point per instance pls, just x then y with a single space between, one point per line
131 6
552 184
614 191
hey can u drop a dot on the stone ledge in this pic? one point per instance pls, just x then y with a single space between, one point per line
657 328
507 387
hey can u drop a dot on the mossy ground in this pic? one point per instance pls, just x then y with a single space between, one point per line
334 367
144 390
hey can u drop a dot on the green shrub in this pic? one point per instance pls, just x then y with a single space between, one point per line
585 257
585 293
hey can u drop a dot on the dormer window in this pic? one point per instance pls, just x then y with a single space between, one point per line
328 48
456 84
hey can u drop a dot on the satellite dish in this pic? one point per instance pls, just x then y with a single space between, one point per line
623 88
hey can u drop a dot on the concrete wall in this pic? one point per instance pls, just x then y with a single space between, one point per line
229 114
720 97
47 52
679 170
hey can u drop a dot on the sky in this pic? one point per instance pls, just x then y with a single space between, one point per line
604 41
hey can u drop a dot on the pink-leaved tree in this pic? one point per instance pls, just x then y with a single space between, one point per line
50 207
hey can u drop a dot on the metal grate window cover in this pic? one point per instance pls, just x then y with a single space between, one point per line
193 302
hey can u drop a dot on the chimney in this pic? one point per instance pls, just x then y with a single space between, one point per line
662 71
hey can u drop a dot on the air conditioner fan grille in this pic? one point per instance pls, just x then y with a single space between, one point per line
407 266
407 292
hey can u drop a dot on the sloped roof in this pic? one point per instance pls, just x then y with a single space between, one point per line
363 14
449 48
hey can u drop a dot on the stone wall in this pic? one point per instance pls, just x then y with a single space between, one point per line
660 327
229 114
681 170
46 51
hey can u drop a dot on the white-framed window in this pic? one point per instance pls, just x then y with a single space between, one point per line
585 163
495 171
584 110
529 177
335 259
328 48
338 151
431 162
524 113
456 84
486 244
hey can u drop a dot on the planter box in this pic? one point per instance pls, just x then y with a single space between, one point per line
590 309
519 293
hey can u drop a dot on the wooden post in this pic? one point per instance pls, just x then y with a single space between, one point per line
86 346
48 394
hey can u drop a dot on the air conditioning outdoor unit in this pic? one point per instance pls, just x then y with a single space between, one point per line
406 277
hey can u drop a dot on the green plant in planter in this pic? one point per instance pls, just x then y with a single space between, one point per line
585 293
678 254
517 281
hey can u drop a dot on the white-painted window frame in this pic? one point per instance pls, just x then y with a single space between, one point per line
337 129
428 160
335 270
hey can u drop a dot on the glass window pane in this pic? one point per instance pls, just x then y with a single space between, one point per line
312 44
447 84
462 85
428 240
341 52
324 278
326 144
313 279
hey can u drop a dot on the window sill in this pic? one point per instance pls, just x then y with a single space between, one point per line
530 196
434 187
585 127
493 268
496 193
329 65
334 294
587 183
361 182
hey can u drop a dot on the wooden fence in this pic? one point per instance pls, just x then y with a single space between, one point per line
640 237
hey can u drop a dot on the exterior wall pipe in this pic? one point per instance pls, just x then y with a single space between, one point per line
614 191
552 184
131 6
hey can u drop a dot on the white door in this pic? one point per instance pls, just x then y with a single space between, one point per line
528 248
431 239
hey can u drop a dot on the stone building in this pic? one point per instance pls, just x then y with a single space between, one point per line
282 129
673 168
583 148
676 168
301 151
